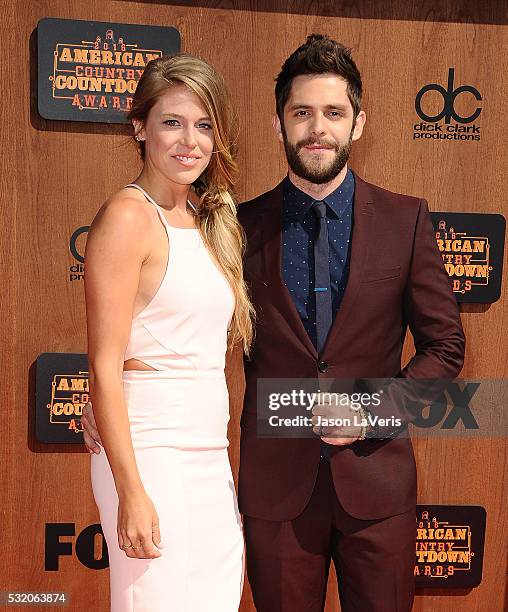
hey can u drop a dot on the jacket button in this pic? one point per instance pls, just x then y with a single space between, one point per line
322 366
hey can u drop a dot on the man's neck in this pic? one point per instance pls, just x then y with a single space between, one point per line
315 190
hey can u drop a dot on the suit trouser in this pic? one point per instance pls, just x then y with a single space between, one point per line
288 562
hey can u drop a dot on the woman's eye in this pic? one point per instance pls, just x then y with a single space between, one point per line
171 122
205 126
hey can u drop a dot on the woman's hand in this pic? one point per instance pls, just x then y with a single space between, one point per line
138 526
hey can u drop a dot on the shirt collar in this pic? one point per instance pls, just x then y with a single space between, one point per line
297 203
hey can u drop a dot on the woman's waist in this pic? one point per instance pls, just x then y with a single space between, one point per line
176 414
146 391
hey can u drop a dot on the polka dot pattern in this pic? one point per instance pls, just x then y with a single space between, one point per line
299 231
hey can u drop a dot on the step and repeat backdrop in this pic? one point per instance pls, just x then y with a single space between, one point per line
435 82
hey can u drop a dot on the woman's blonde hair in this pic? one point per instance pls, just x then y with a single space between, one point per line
216 212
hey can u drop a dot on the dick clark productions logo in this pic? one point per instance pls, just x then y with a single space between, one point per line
433 126
77 269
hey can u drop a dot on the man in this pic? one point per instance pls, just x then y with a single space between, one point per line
337 270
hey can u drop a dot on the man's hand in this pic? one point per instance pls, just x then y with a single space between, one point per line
90 433
336 423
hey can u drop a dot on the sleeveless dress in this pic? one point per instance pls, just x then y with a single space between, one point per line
178 418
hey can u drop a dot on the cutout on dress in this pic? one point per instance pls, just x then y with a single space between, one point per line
150 368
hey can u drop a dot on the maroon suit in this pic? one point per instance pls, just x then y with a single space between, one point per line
396 279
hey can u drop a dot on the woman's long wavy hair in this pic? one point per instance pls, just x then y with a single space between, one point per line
216 213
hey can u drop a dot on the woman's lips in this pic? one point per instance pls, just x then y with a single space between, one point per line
186 160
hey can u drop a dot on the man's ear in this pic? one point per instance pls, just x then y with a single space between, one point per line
360 120
139 129
277 127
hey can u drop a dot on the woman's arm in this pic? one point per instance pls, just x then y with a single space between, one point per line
117 246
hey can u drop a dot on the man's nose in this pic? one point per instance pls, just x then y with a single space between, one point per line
318 124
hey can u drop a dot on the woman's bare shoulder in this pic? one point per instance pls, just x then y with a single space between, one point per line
125 208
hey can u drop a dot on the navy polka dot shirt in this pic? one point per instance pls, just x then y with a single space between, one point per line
299 230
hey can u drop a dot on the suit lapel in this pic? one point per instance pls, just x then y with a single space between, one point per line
363 217
270 227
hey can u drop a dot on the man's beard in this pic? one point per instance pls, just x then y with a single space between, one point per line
317 173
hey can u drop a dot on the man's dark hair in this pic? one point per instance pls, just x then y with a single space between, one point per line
318 55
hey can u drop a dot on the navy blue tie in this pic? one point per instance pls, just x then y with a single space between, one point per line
322 285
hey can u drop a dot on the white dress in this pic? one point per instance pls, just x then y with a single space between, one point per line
178 419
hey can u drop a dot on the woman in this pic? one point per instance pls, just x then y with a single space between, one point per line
164 286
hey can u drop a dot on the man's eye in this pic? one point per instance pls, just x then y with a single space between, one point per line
301 113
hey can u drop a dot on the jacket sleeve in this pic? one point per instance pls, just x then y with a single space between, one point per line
432 314
431 310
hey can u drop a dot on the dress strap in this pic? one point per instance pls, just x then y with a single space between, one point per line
159 209
150 199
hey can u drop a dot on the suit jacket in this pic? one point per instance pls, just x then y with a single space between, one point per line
396 279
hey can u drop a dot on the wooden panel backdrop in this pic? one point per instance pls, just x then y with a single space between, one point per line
54 176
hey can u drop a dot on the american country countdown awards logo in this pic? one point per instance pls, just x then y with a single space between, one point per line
449 546
61 391
77 248
472 247
89 70
445 121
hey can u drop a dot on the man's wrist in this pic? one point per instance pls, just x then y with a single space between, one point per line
370 427
364 423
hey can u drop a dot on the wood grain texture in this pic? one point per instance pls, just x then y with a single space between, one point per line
54 176
464 11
